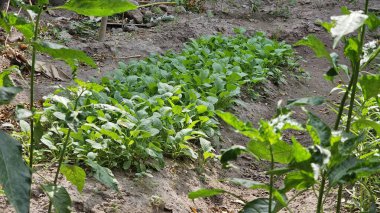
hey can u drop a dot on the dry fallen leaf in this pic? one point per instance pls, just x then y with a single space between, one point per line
50 71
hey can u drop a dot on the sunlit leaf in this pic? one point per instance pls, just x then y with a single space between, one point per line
202 193
373 21
316 45
12 20
98 7
240 126
298 180
365 123
75 175
370 85
346 24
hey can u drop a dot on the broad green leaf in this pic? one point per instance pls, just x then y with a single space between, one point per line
99 7
300 153
310 101
259 205
7 89
15 175
364 123
282 152
316 45
104 175
346 24
8 93
268 138
11 20
370 85
201 193
240 126
59 197
373 21
201 109
338 173
232 153
22 114
298 180
38 131
70 56
60 99
318 130
217 68
5 80
75 175
257 185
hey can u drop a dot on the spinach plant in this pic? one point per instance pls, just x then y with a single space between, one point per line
163 105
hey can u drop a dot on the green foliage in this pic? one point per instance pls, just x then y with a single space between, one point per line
15 175
161 105
59 197
104 175
70 56
75 175
7 89
202 193
98 7
7 21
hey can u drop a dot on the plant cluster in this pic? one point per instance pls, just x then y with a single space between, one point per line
345 155
163 105
16 176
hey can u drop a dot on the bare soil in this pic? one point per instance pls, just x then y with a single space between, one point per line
167 190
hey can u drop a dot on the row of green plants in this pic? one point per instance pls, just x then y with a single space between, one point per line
345 156
163 105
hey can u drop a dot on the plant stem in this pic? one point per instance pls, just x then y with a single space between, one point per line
354 83
60 163
271 179
31 102
320 195
62 153
356 70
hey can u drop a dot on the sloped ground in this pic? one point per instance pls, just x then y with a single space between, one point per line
167 190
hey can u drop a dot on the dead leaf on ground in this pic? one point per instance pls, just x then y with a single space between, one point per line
50 71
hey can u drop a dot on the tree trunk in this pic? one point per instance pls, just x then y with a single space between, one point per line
103 29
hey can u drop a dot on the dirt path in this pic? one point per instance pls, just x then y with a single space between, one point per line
167 190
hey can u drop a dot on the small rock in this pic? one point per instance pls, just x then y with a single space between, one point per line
129 28
147 16
134 2
57 2
210 14
164 8
135 15
180 9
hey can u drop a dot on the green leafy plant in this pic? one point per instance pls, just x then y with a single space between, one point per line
19 193
335 154
163 105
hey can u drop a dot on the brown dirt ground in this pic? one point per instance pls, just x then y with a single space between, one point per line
167 190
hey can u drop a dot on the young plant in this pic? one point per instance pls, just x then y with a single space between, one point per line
30 29
333 156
